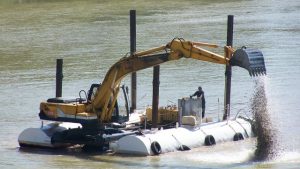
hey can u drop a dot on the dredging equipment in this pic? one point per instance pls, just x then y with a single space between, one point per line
95 120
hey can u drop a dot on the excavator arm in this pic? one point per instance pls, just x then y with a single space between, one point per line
106 95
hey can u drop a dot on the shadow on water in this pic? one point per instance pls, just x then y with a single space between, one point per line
105 158
263 128
77 152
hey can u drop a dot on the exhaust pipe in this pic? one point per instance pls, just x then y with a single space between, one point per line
250 59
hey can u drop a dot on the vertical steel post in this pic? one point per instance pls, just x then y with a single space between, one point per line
132 50
155 97
59 77
228 71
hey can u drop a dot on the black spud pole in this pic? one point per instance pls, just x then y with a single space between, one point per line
59 77
155 97
132 50
228 71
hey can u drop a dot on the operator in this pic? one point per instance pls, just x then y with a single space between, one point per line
200 94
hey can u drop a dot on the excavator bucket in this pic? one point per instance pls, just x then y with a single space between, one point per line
250 59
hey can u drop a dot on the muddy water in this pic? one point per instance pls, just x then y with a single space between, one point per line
92 35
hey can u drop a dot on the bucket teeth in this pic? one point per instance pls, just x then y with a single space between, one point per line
250 59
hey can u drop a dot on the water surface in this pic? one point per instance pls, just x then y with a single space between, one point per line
91 35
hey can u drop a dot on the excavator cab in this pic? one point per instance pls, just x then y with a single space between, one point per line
91 93
120 113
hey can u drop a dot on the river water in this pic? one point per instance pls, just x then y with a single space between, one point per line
91 35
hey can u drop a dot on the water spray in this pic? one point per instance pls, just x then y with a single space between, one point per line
266 136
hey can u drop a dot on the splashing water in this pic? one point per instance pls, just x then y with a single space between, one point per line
263 128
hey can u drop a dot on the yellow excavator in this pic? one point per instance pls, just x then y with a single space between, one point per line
99 107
